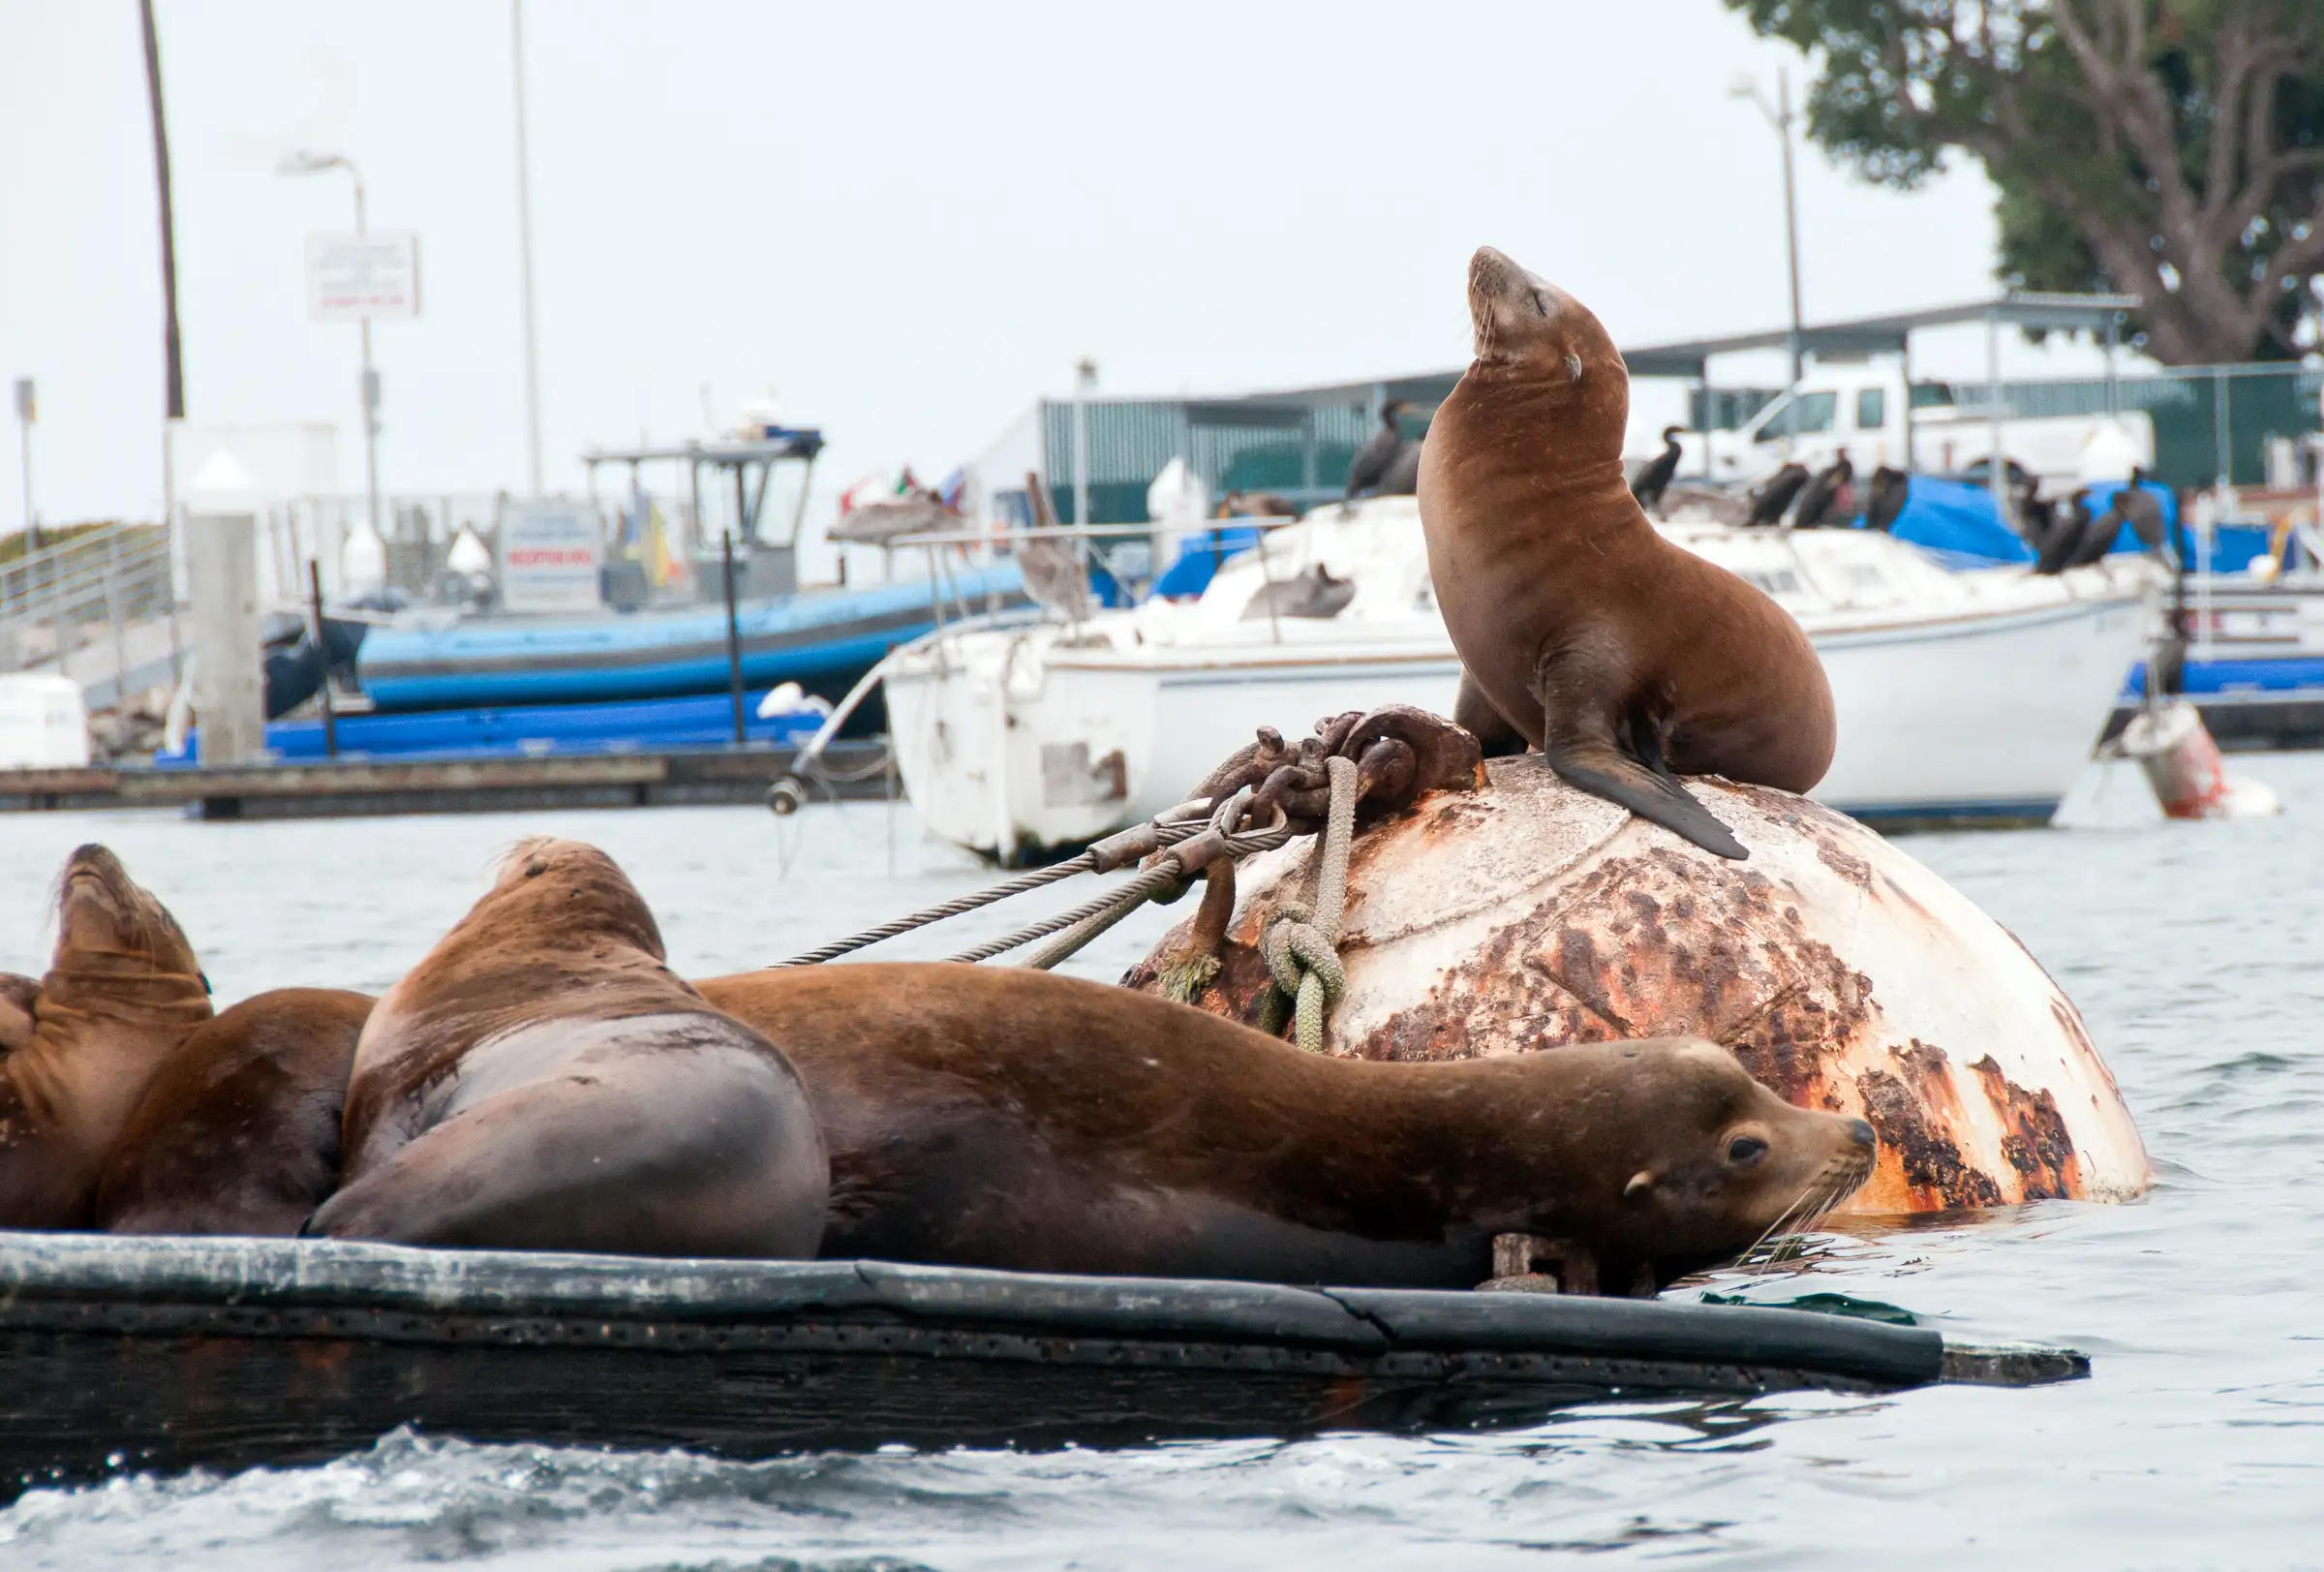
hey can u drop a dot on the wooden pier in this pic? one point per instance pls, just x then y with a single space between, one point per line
352 787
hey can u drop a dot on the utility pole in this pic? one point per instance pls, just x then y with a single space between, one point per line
524 248
173 374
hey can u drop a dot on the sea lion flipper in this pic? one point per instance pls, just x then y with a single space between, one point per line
1603 771
1583 758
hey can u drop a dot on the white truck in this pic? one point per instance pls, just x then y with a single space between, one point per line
1863 410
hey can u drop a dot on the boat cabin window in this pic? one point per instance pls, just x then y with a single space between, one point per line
1932 395
1775 581
1802 415
1872 409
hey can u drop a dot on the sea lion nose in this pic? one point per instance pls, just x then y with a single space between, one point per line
1860 1132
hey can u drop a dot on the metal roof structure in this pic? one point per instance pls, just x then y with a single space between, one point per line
2100 314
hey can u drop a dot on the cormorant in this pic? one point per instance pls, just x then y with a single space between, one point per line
1886 496
2137 504
1655 479
1375 459
1403 477
1772 496
2070 519
2099 535
1827 492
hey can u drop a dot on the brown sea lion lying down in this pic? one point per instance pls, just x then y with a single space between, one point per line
542 1081
1013 1119
239 1131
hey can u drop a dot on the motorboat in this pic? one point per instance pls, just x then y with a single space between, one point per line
1963 698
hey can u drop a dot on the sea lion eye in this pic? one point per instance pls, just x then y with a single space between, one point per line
1574 366
1746 1149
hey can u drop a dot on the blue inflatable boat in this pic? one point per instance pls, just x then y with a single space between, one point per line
822 639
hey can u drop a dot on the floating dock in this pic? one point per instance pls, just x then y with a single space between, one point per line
119 1352
355 786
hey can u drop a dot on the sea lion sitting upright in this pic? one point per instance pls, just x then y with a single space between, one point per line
239 1131
1627 659
78 1052
542 1081
998 1118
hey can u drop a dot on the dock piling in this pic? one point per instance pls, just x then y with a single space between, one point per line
221 574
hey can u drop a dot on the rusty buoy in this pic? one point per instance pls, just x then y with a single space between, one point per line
1843 974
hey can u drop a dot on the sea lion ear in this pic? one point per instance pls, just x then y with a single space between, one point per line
1639 1184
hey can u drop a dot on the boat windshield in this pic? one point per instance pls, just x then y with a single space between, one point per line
1798 415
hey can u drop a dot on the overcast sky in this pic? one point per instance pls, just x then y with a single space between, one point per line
908 220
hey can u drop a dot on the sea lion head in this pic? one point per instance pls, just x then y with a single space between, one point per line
547 889
1527 330
118 950
1691 1161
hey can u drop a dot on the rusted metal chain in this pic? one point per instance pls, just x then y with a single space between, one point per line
1175 867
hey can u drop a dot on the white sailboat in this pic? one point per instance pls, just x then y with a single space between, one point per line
1961 697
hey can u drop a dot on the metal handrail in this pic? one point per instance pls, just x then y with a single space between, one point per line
1087 532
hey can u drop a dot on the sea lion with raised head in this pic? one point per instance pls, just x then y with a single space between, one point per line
542 1081
239 1131
79 1049
1629 660
1011 1119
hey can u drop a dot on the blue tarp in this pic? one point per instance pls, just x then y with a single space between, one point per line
1198 559
1958 523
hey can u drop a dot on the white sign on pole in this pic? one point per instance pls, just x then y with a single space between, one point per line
353 276
549 557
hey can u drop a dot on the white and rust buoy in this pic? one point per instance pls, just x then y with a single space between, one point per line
1529 915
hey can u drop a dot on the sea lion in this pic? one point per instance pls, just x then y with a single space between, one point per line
239 1131
542 1081
1626 659
1012 1119
122 988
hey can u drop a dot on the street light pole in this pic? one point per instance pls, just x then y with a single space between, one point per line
1084 379
524 247
371 387
27 411
1783 126
305 163
1779 115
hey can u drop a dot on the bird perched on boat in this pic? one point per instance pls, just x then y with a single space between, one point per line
1376 462
1827 497
1772 496
2139 508
1887 494
1655 479
2069 521
2033 515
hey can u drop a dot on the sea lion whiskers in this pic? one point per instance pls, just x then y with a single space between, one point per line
1823 1192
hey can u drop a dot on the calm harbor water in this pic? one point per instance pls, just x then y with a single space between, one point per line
2199 1442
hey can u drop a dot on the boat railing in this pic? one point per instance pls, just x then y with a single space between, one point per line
942 564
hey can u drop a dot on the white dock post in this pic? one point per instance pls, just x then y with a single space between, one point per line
222 574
